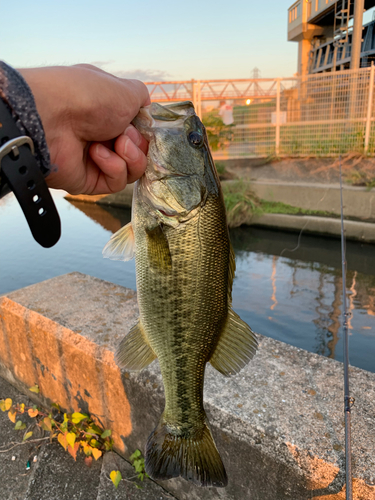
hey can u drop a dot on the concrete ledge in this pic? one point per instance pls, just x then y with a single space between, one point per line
121 199
361 231
278 424
358 202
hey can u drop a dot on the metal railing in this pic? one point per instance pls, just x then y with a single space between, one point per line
324 114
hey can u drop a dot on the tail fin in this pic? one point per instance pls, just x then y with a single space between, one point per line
194 457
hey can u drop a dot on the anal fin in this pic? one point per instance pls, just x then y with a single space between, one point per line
134 352
237 345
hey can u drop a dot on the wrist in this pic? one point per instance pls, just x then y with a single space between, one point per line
18 97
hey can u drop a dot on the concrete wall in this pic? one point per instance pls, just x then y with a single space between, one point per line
278 424
358 202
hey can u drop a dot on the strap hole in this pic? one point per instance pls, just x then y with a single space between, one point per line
31 185
36 198
41 211
22 170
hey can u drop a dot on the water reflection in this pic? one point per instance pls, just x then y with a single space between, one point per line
293 296
303 289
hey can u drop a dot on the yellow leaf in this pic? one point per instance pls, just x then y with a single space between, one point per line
27 435
116 477
34 388
87 449
64 427
8 404
47 423
96 453
2 405
12 416
61 438
71 438
32 413
77 417
22 408
73 449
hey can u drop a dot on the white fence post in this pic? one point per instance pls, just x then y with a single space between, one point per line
277 146
194 89
199 100
369 107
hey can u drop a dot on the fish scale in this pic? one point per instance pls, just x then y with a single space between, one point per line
187 304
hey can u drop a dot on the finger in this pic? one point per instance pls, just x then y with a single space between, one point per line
137 138
143 91
113 168
134 157
107 105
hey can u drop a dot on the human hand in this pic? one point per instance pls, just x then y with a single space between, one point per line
86 115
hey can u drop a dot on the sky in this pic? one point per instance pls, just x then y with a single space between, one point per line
152 40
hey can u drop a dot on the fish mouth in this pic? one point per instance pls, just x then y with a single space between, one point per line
166 214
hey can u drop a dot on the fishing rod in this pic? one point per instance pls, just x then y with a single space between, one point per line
347 398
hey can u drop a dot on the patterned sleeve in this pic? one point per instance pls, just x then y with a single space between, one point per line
16 93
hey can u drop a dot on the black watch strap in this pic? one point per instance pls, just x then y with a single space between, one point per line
25 178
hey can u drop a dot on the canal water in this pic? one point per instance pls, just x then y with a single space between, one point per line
287 293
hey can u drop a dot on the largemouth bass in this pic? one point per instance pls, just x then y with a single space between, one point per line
184 269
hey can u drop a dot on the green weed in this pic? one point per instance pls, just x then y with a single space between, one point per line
242 204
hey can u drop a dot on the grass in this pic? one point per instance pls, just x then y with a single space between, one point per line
242 204
276 207
360 178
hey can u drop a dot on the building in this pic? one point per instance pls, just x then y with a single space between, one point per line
330 34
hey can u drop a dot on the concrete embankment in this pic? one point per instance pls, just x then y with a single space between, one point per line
278 424
359 203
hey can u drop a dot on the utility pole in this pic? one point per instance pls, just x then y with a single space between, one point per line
357 34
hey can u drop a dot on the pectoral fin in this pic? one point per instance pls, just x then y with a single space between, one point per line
158 252
121 246
236 346
134 353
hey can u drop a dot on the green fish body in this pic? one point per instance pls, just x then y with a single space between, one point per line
185 269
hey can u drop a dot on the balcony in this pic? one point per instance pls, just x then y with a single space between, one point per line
298 26
308 18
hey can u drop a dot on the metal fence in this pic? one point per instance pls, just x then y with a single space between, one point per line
324 114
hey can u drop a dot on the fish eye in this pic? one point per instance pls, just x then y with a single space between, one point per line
195 138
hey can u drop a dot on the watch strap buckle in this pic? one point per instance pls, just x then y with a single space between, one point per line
12 146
